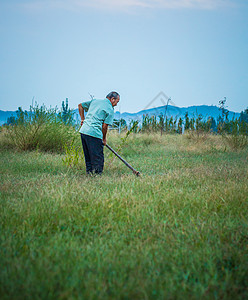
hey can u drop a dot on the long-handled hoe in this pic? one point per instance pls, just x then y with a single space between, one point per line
137 173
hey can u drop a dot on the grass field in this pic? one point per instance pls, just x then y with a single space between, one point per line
178 232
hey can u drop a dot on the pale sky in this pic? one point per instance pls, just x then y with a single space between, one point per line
195 51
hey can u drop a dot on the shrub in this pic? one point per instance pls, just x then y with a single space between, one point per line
234 133
196 135
38 128
236 138
235 141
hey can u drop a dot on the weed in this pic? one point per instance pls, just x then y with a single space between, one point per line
73 156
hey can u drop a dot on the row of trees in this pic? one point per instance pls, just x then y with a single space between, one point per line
149 124
164 124
50 129
160 124
64 115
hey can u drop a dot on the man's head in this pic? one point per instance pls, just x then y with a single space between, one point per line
114 98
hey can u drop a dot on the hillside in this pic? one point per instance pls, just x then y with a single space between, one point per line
173 111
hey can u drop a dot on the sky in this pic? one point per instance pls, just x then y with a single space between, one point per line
194 51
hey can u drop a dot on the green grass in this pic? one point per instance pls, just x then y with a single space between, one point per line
178 232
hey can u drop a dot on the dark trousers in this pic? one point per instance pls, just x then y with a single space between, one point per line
93 153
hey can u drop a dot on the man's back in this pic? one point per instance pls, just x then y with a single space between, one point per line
98 112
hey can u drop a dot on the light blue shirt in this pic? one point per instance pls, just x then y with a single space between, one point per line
98 112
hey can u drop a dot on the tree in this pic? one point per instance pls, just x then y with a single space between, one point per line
244 115
11 121
223 108
213 125
223 123
161 123
66 113
192 124
171 124
187 122
180 125
121 123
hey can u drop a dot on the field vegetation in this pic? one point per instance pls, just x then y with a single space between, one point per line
179 231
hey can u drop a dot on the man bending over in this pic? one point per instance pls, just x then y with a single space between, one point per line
100 114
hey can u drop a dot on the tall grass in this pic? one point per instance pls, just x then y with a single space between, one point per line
235 134
39 128
177 232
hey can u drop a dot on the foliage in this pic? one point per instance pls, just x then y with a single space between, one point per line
149 124
187 122
197 136
180 126
66 115
123 142
11 120
161 123
244 116
223 119
133 127
237 135
40 128
74 156
196 125
119 124
235 141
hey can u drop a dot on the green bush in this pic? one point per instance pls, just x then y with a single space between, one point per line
236 135
235 141
39 128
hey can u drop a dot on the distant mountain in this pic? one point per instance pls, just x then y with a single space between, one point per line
172 111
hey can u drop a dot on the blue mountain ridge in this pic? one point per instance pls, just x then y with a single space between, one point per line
172 111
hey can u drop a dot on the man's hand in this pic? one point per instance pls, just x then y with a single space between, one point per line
82 121
104 142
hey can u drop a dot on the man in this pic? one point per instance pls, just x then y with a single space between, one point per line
100 114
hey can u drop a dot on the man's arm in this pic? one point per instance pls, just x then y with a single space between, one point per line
104 133
81 112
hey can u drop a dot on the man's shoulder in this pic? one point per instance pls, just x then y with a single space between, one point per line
96 100
101 101
105 104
